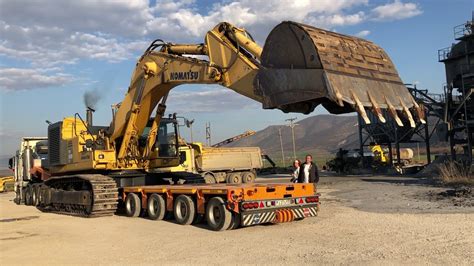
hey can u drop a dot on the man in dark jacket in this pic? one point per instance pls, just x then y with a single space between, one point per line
308 171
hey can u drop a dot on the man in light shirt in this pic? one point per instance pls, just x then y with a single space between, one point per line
296 171
308 171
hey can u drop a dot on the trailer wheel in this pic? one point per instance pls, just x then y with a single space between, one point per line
28 196
248 177
156 207
218 216
234 178
132 205
184 210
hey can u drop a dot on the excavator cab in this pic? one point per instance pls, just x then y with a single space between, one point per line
166 144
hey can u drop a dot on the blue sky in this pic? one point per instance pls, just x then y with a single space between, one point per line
52 52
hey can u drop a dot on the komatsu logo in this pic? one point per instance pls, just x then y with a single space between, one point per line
188 75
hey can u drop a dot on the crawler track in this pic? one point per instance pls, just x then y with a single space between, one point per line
80 195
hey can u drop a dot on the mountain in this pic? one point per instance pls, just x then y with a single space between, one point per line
323 133
320 134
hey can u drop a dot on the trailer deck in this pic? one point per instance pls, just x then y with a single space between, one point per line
243 204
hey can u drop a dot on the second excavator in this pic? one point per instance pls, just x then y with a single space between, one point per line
299 68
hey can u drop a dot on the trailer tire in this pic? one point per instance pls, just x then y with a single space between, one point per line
248 177
184 210
218 216
234 178
28 196
132 205
156 207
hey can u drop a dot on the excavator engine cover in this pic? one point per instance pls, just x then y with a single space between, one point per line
303 66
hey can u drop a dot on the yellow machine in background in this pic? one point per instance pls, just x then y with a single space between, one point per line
379 154
7 183
299 68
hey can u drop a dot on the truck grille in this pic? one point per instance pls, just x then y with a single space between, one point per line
54 139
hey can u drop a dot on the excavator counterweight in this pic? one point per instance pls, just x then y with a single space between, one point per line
303 66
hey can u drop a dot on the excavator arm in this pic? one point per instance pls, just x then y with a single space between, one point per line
299 68
233 63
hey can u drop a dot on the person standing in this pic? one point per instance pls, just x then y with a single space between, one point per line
296 171
308 171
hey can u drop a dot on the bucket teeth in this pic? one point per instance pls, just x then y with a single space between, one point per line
419 111
376 108
360 108
393 113
339 98
407 113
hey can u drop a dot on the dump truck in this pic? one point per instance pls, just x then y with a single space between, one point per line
97 169
218 165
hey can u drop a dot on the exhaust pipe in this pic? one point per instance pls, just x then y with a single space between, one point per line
89 114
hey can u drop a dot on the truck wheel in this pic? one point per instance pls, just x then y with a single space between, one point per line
218 216
39 194
184 210
28 196
34 195
234 178
248 177
209 179
156 207
17 199
132 205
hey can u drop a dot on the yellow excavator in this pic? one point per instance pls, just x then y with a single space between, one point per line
299 68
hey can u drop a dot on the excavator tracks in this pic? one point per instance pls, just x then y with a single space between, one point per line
79 195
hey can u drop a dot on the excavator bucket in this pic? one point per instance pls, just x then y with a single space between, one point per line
303 66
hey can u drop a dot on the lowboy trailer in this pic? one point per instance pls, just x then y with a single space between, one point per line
224 206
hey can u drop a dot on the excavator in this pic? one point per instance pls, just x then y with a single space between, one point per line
298 68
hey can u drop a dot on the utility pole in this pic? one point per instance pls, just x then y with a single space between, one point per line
292 126
281 145
189 124
208 133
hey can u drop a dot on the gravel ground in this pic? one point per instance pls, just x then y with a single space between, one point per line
363 220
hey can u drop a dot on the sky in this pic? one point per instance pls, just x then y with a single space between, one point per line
52 52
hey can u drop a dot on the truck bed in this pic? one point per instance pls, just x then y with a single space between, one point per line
231 158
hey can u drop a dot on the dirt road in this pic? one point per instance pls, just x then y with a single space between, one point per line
363 220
